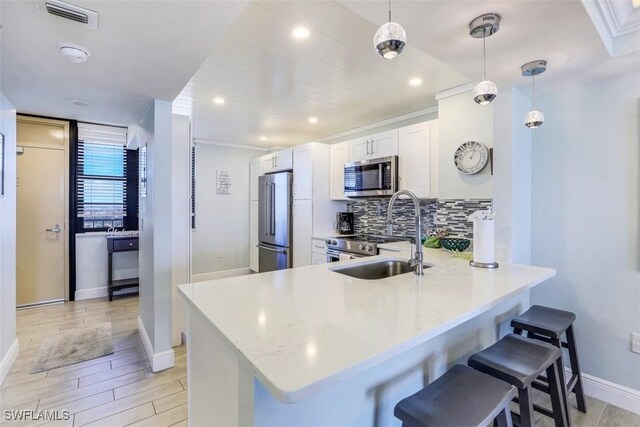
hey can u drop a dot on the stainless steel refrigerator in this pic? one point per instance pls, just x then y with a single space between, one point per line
274 217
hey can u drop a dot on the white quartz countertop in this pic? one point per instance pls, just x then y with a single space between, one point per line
306 328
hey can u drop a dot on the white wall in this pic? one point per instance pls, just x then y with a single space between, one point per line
460 120
585 220
155 253
8 342
92 265
219 241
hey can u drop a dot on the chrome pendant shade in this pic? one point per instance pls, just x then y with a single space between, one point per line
390 38
534 118
482 27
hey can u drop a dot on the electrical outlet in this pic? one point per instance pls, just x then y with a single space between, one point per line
635 342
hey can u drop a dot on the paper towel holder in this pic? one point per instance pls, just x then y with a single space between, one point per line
489 265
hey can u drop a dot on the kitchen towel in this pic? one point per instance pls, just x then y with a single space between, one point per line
345 257
483 241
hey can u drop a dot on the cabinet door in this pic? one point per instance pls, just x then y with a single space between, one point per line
302 173
283 160
268 163
384 144
302 230
255 170
318 259
253 236
414 159
339 156
359 149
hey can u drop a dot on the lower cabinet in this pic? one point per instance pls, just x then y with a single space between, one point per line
253 236
302 231
318 251
318 259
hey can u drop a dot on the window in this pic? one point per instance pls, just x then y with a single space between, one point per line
107 180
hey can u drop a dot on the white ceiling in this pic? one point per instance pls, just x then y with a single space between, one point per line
142 50
273 83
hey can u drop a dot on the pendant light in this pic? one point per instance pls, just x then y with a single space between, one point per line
482 27
390 38
534 118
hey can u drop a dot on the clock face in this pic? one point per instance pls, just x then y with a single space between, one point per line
471 157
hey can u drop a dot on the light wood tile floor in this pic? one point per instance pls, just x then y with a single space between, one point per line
120 389
114 390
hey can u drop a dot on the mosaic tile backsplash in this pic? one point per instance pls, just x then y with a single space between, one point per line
370 216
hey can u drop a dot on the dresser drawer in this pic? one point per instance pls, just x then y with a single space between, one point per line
120 245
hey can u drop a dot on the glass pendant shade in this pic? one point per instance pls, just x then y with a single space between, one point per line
485 92
534 119
389 40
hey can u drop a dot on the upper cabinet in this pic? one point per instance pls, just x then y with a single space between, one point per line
278 161
255 170
339 156
302 172
383 144
417 158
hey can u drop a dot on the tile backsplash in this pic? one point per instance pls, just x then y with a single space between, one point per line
370 215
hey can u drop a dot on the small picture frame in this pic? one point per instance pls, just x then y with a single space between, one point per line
1 164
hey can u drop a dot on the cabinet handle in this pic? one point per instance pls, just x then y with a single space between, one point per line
372 150
367 147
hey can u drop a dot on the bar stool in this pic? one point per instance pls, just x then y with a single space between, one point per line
548 324
460 397
519 361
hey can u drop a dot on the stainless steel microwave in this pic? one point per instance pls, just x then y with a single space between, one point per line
375 177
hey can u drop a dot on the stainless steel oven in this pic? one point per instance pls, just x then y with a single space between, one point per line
375 177
333 255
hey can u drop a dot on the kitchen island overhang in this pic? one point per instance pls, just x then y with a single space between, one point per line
283 345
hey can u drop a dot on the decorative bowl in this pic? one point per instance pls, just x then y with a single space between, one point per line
455 243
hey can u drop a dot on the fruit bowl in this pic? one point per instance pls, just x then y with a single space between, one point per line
455 243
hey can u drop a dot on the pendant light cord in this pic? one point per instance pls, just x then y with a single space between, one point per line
534 90
484 56
389 10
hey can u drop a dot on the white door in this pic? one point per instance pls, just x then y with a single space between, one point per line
414 159
41 213
339 156
302 173
384 144
253 236
302 230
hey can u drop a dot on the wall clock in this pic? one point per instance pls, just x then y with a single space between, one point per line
471 157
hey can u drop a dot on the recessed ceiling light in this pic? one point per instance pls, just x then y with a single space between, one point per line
313 120
74 52
263 138
218 100
301 33
416 81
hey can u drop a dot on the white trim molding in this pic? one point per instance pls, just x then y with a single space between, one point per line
457 90
158 361
8 360
220 274
611 393
617 23
100 292
228 144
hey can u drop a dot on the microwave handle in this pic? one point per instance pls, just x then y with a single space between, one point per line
380 174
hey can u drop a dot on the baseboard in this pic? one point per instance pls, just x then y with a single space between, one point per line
221 274
158 361
8 360
612 393
100 292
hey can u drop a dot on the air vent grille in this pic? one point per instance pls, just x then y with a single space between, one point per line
72 12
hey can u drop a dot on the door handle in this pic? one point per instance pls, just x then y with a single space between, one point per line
55 229
279 251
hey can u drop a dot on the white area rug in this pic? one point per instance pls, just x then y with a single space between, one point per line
73 346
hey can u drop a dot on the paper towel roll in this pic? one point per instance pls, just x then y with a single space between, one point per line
483 241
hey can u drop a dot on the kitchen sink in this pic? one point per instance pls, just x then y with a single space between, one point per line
377 270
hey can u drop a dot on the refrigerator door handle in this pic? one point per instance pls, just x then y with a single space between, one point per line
273 208
267 209
279 251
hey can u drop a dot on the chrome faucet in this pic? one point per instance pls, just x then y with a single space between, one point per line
416 261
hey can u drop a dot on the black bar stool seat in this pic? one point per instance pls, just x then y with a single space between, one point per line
460 397
519 361
549 324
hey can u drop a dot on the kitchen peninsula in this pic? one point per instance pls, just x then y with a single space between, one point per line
311 346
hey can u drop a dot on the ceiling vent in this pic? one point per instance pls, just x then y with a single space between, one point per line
73 13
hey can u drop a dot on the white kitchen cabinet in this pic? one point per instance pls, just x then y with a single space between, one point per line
253 236
278 161
302 232
339 155
382 144
255 170
318 259
302 172
415 165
